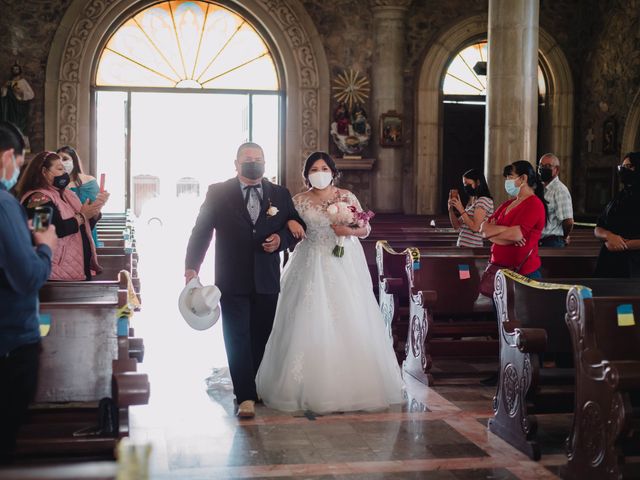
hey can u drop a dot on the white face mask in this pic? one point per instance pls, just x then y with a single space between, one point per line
320 180
68 166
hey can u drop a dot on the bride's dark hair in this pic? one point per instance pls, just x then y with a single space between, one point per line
313 158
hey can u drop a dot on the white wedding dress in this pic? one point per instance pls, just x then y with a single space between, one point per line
329 350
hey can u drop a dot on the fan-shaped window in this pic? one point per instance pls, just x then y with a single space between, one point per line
187 44
467 74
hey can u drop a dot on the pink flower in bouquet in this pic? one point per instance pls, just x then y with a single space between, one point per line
360 217
341 213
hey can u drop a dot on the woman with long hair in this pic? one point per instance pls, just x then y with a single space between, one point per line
515 227
619 225
467 219
82 184
44 184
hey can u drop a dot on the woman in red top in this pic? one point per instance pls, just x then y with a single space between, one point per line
515 227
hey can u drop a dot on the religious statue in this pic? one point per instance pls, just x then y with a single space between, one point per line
15 96
342 119
359 120
350 129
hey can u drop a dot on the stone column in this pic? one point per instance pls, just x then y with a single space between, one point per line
387 86
512 88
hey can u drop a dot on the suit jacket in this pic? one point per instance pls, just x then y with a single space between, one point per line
242 266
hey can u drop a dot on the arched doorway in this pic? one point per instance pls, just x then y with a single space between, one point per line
87 25
558 128
631 132
464 89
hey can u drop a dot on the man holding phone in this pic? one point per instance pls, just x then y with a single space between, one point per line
23 270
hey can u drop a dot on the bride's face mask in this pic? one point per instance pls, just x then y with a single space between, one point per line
320 175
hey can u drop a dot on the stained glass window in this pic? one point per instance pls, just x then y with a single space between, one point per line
187 44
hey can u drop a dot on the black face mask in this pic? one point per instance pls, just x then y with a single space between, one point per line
252 170
61 181
469 190
546 174
627 177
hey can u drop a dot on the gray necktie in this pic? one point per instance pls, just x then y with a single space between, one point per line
252 200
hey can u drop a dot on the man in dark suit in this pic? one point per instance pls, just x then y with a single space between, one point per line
250 216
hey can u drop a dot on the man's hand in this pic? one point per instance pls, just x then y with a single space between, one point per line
48 237
189 275
271 243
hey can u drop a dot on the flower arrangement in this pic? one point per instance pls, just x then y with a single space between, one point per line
341 213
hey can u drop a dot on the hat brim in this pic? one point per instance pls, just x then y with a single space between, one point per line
195 321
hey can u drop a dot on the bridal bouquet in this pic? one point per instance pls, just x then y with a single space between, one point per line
341 213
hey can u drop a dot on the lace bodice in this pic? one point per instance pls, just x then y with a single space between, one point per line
318 222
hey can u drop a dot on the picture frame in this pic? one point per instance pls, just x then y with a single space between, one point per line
391 129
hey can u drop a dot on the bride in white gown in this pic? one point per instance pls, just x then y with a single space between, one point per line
329 350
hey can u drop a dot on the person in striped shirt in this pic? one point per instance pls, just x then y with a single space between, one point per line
468 218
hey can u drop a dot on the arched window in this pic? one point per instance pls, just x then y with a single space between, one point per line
466 75
187 44
195 74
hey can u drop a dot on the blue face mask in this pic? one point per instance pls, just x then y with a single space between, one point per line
9 183
511 188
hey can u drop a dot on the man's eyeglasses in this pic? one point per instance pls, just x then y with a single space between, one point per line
625 166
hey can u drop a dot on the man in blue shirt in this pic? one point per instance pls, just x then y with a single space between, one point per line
23 270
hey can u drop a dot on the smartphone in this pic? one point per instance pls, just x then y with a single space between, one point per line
42 218
102 182
453 193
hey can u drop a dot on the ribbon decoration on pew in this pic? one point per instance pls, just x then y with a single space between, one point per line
132 299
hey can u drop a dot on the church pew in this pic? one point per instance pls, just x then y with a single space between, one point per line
444 304
113 264
83 361
444 307
532 328
393 290
606 423
101 291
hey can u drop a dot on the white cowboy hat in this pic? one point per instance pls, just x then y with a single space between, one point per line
199 305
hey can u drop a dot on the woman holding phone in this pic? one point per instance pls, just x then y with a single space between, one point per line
467 219
44 184
83 185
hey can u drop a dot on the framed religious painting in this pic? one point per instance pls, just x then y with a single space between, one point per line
391 134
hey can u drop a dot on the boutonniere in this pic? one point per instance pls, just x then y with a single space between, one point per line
271 211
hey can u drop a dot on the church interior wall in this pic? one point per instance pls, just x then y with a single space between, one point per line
600 39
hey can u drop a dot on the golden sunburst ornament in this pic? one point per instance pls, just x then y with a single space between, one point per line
351 87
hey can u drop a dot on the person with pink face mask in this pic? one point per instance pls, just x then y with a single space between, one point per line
329 350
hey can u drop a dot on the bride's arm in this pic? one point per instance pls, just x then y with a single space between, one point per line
360 232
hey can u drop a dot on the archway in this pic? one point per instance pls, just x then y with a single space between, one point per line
86 26
428 161
631 133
